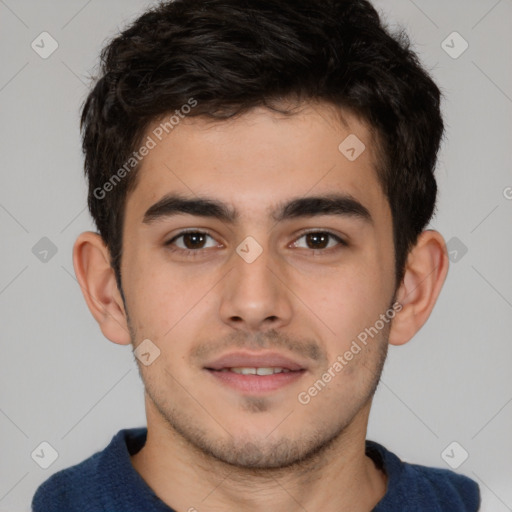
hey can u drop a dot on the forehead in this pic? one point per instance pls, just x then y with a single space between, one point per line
254 161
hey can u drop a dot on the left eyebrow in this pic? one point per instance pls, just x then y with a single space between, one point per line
330 204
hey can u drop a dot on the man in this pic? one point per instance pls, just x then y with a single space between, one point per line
261 176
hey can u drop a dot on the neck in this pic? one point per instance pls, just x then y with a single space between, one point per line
339 478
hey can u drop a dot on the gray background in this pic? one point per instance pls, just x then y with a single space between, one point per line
62 382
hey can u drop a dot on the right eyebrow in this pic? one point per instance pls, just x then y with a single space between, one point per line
174 204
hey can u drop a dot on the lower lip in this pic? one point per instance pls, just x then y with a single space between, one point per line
256 383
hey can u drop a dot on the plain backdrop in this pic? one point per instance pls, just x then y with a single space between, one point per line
64 384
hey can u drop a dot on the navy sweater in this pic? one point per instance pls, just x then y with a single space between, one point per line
107 482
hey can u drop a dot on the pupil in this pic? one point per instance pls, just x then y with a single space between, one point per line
194 237
315 237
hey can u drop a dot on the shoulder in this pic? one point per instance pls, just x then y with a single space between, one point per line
417 487
82 487
65 490
451 490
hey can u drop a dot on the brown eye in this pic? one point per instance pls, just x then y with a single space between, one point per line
192 241
320 240
317 240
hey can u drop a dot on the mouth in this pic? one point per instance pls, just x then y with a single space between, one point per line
255 373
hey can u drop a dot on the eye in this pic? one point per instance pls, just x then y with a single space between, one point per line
190 241
320 240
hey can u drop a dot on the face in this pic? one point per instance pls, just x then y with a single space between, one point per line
259 277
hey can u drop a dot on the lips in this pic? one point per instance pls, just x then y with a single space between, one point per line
255 373
257 360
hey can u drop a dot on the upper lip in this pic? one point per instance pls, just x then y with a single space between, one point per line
254 360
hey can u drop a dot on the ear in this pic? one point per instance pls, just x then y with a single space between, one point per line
425 273
91 260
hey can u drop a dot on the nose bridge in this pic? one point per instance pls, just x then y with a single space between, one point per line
252 293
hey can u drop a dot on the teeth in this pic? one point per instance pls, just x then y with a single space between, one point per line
268 371
244 371
257 371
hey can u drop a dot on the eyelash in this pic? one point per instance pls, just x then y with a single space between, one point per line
191 253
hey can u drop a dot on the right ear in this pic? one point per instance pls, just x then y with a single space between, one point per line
91 260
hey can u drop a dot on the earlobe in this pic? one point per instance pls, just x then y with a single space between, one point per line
91 260
425 273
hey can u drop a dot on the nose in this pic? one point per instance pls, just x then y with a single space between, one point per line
254 296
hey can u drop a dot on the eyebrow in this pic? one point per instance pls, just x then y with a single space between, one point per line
331 204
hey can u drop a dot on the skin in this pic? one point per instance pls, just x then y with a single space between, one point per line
211 447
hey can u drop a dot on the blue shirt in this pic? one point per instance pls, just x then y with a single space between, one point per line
107 482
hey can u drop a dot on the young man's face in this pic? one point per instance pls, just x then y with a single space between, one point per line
298 305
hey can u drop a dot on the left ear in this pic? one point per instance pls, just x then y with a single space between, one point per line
425 273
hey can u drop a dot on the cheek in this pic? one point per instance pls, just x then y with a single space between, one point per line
154 296
163 298
349 301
